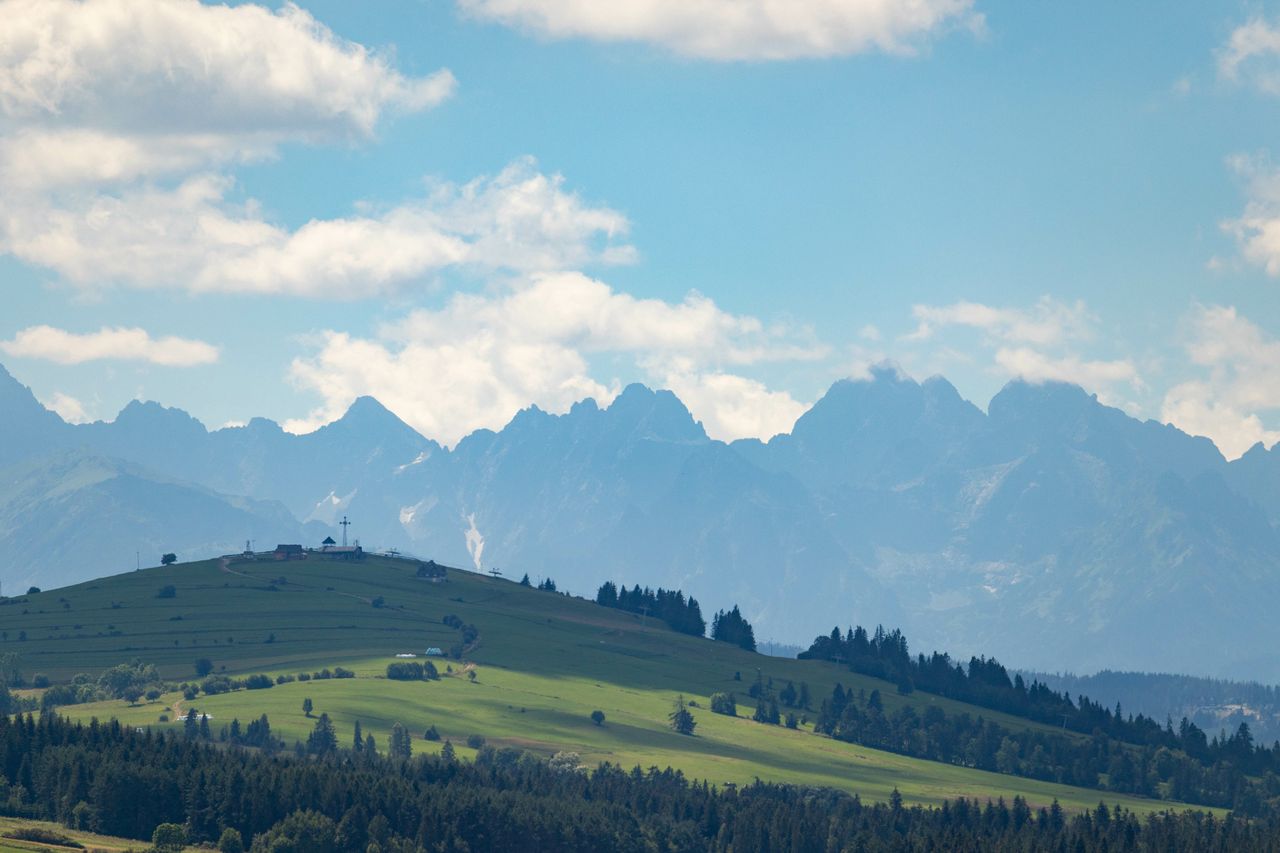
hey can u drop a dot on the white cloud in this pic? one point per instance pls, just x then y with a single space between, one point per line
191 237
1242 384
1050 322
1257 229
740 29
1037 344
116 344
163 85
1035 366
1251 53
480 359
67 407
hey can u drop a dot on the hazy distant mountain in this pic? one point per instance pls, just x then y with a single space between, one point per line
1051 530
73 515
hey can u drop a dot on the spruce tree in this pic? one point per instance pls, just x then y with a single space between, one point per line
681 720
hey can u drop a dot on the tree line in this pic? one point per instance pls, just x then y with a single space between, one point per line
670 606
1134 753
111 779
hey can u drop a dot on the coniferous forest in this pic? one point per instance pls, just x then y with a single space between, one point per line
1133 754
111 779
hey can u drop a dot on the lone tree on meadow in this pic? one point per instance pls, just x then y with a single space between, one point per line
597 717
307 707
204 666
681 720
168 559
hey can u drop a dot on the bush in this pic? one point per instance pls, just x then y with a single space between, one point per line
231 841
43 836
406 671
258 682
339 672
153 694
475 741
431 734
724 703
304 676
39 680
167 591
35 590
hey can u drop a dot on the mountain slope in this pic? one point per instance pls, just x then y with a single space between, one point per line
65 517
542 663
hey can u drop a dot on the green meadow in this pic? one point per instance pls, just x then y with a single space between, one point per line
543 662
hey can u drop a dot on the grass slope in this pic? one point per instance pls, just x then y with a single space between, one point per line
543 663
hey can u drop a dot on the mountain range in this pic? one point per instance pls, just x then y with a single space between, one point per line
1050 530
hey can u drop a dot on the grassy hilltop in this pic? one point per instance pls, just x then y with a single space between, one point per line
542 663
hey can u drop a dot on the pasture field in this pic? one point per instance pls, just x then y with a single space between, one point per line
543 662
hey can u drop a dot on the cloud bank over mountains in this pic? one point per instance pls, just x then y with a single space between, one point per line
124 127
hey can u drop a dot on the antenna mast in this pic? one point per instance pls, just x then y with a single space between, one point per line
345 524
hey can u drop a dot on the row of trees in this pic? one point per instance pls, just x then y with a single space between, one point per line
679 613
109 778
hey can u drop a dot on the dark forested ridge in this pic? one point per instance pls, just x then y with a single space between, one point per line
114 780
1213 704
1133 753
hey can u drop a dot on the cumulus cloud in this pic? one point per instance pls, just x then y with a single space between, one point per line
1038 344
479 359
1251 54
192 237
1257 229
67 407
1049 322
115 344
1035 366
160 85
1241 382
740 29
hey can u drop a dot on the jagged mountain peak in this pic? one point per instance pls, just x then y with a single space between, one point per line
148 414
654 414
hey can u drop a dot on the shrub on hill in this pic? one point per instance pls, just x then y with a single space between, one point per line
724 703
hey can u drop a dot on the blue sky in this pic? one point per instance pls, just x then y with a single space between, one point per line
466 208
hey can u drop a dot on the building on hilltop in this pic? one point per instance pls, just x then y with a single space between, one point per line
290 552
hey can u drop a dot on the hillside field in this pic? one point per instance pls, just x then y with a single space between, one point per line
543 662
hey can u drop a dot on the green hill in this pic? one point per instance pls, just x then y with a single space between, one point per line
542 663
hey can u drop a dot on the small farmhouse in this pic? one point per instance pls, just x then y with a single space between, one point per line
290 552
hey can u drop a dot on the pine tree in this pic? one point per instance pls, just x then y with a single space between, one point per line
401 745
448 753
323 740
681 720
357 742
